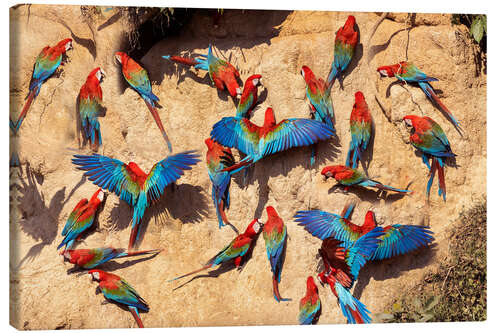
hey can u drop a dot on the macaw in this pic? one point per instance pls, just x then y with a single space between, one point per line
260 141
321 102
80 219
408 72
218 158
91 258
132 184
221 73
138 79
346 40
347 177
396 239
274 232
45 65
342 265
361 130
116 289
234 251
429 138
89 106
310 304
248 98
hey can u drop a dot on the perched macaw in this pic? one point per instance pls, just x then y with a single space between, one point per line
91 258
408 72
132 184
396 239
346 40
361 130
274 232
218 158
310 304
270 138
429 138
138 79
80 219
116 289
234 251
46 64
89 106
347 177
222 73
248 98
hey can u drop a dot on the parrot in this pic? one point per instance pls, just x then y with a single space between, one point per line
274 232
347 177
396 239
321 102
138 79
248 98
260 141
361 130
91 258
429 138
310 304
89 106
221 73
117 290
342 265
45 65
408 72
346 40
233 251
133 185
81 219
218 158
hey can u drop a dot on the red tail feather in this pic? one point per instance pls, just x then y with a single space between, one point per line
357 317
442 185
157 119
133 235
136 317
26 107
236 166
222 212
184 61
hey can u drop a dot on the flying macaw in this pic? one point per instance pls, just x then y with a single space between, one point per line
347 177
361 130
91 258
396 239
429 138
270 138
116 289
274 232
89 106
138 79
408 72
80 219
248 98
45 65
222 73
234 251
346 40
132 184
310 304
218 158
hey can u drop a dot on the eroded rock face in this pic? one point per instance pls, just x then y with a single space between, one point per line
276 45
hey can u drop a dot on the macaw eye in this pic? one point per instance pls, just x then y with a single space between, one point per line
328 174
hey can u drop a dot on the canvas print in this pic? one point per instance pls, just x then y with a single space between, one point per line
210 167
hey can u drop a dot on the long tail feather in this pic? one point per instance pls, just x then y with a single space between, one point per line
442 185
181 60
222 214
314 153
331 77
157 119
191 273
135 313
237 166
276 291
26 107
432 172
134 234
138 253
390 188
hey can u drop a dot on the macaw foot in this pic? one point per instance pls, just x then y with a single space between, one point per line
105 302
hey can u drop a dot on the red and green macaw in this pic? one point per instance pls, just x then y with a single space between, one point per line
248 98
310 304
91 258
408 72
46 64
361 130
117 290
133 185
274 233
270 138
346 40
138 79
80 219
222 73
429 138
234 251
218 158
348 177
89 106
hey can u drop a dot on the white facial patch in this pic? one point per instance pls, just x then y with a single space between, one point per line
256 226
95 275
383 72
67 255
408 122
255 82
100 196
302 72
238 91
118 58
68 46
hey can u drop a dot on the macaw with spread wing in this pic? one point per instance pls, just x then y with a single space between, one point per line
361 130
346 40
91 258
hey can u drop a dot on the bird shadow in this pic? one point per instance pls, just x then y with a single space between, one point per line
112 265
375 49
366 194
87 43
113 19
367 155
358 55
